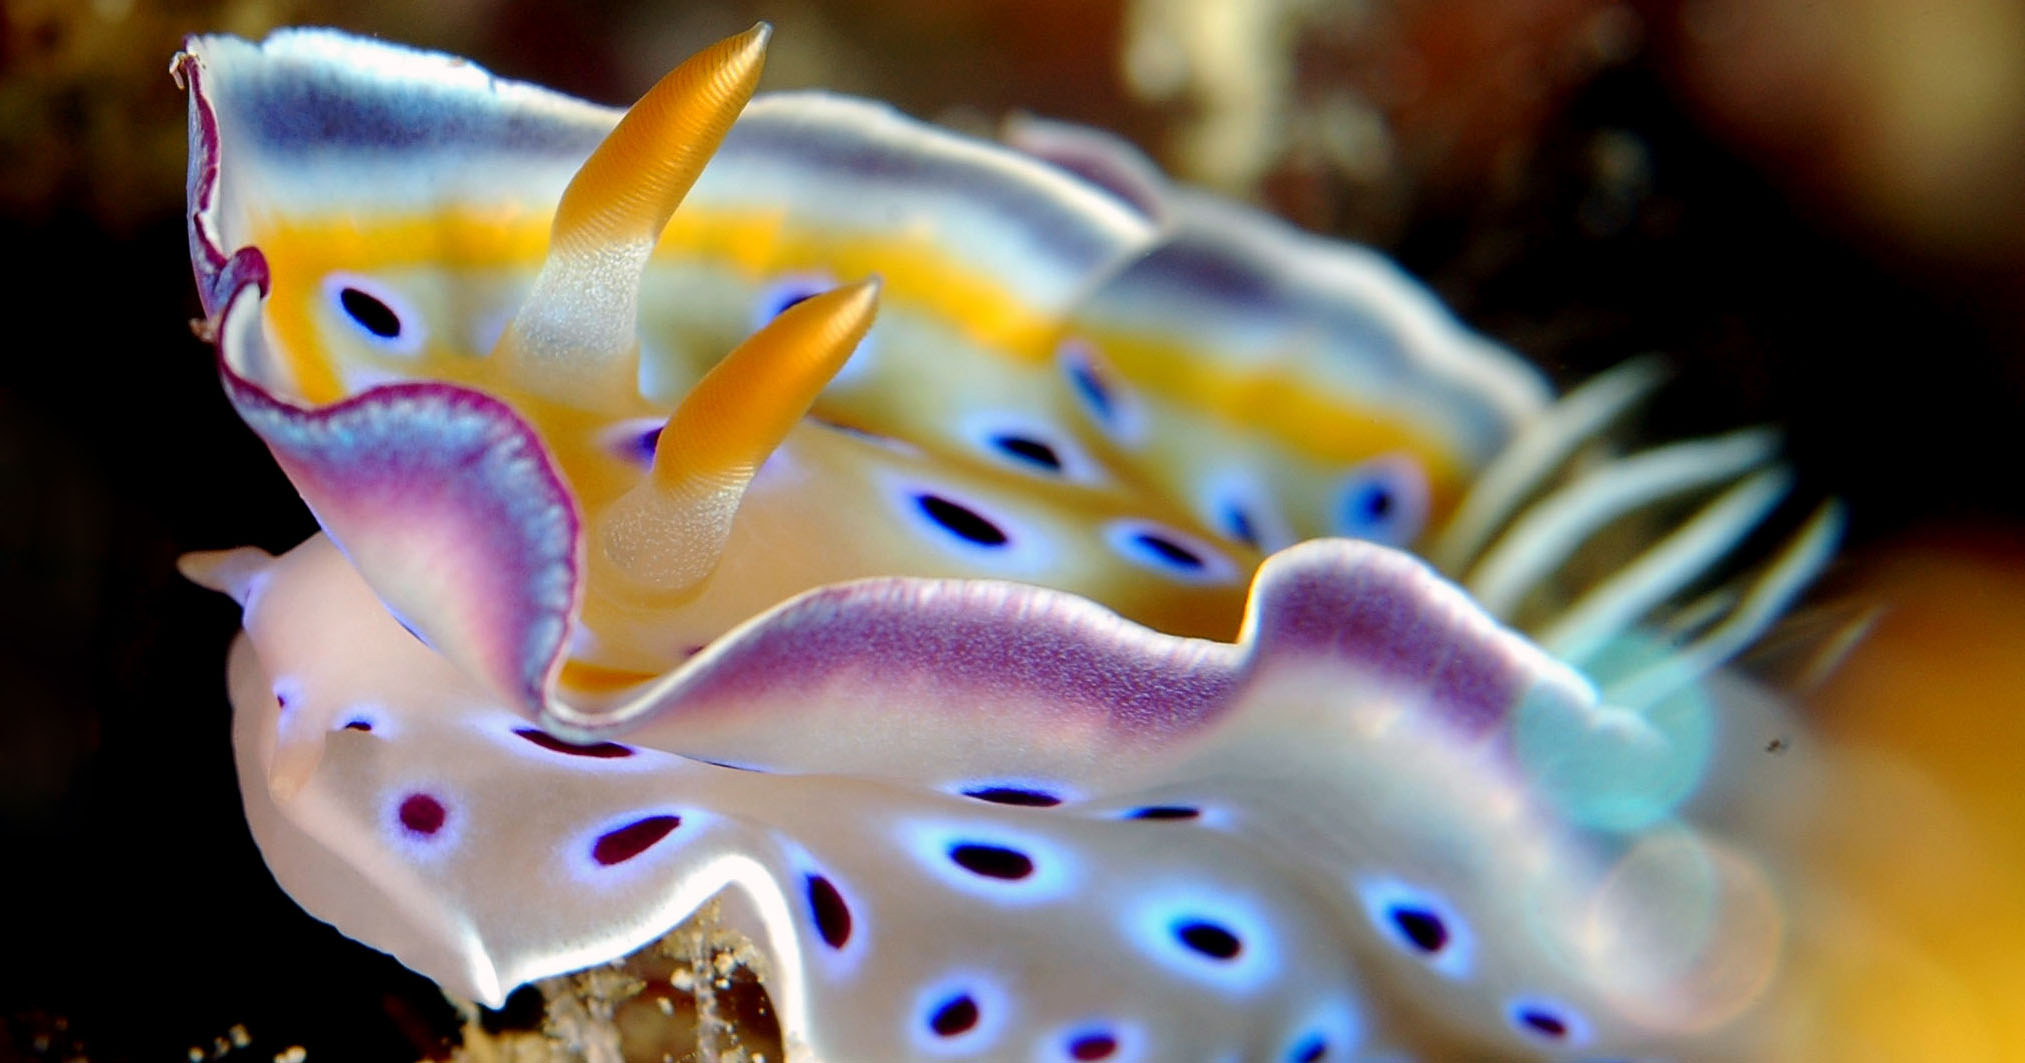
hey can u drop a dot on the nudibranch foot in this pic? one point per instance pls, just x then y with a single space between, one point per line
1333 829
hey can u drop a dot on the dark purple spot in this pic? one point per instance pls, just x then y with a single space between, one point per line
833 917
1312 1050
1164 812
600 750
1094 391
956 1015
1031 451
1239 524
629 841
1209 939
1014 795
1165 549
645 442
963 523
1545 1023
1093 1046
1367 507
1423 928
358 725
375 316
992 861
422 814
791 297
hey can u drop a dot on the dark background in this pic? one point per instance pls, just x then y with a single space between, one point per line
1582 179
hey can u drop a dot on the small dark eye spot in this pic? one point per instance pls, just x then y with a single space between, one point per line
1014 795
372 315
1420 923
1174 554
954 1016
960 521
832 915
422 814
1546 1023
1312 1050
629 841
1030 450
1385 500
358 725
1372 504
1209 939
1239 525
1168 550
1547 1020
1093 1046
992 861
1164 812
1091 388
1424 929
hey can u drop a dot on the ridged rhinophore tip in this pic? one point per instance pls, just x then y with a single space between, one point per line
630 186
740 411
668 532
859 299
576 336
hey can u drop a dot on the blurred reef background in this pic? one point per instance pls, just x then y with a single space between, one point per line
1816 208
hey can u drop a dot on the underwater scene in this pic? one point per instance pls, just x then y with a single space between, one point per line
1158 530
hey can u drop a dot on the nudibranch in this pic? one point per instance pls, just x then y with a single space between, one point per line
790 502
